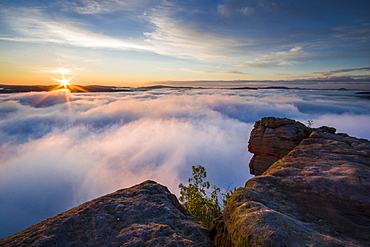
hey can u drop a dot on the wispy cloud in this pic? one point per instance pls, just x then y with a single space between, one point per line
339 71
184 38
91 7
232 8
218 71
360 32
36 26
170 36
232 33
280 58
226 11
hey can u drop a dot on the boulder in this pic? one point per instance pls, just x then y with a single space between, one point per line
271 139
316 195
143 215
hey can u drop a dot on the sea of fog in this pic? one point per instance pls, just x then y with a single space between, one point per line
58 150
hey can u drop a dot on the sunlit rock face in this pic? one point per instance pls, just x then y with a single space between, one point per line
143 215
316 195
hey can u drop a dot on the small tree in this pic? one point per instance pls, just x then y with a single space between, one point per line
309 123
226 196
202 204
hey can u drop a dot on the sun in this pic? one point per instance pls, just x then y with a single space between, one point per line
64 82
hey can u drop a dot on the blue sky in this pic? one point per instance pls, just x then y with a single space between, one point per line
231 42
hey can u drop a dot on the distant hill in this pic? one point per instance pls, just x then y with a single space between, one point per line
73 89
82 89
103 89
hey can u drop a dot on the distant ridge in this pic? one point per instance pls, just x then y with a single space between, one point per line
74 89
4 89
84 89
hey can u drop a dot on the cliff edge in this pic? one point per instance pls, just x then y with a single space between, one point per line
143 215
313 189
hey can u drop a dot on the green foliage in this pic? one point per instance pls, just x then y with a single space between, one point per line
226 196
200 198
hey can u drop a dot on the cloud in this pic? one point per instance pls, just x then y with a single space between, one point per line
166 31
344 123
90 7
228 71
360 32
114 144
247 11
36 26
233 8
338 71
223 10
95 7
50 163
280 58
178 36
250 34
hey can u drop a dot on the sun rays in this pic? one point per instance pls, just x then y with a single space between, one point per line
64 83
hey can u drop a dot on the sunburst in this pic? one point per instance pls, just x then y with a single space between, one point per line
64 83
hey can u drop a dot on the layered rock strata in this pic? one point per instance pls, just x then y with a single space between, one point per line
316 195
143 215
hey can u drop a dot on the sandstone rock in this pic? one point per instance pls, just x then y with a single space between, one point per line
143 215
271 139
317 195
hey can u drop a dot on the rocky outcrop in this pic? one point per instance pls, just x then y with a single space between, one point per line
271 139
143 215
318 194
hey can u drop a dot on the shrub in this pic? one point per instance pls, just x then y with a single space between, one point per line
200 198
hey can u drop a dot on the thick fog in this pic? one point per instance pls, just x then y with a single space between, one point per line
58 150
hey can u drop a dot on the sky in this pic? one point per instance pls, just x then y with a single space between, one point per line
59 149
315 44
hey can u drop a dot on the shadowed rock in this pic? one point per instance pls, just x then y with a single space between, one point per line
316 195
143 215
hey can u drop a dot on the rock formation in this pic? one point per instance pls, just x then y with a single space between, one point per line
271 139
318 194
143 215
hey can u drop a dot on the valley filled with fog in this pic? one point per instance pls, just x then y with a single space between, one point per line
59 150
